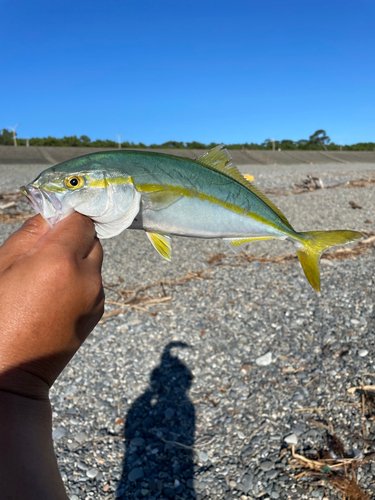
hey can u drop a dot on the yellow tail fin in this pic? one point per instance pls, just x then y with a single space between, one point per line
316 243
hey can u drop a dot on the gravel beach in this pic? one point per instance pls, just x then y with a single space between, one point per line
199 386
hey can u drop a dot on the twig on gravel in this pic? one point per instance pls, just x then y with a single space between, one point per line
7 205
352 390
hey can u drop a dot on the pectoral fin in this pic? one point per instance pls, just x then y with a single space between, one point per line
158 200
161 243
236 243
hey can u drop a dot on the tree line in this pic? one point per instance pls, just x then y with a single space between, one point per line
317 141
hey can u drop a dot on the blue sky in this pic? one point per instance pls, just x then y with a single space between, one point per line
205 70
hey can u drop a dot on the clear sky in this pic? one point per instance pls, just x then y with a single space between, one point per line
206 70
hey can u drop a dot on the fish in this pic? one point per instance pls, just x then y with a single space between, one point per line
166 195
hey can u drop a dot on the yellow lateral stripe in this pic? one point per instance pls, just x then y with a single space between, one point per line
102 183
147 188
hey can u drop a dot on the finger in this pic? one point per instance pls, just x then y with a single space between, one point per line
74 235
22 241
95 256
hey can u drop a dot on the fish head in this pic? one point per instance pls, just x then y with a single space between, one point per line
109 198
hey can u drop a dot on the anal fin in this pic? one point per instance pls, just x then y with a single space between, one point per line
161 243
236 243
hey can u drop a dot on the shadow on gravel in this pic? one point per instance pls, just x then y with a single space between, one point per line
159 436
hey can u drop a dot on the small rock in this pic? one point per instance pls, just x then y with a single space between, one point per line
203 457
169 413
74 497
92 473
190 483
247 483
354 321
169 493
199 485
144 492
241 435
58 433
362 353
80 437
271 474
135 474
267 465
264 360
291 439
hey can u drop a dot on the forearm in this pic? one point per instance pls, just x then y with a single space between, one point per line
28 466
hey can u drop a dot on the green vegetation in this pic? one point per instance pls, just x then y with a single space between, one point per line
317 141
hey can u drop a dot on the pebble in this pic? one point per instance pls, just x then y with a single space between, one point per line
203 457
267 465
80 437
264 360
291 439
135 474
169 413
247 482
362 353
271 474
92 473
58 433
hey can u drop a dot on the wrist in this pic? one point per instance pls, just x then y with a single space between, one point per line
23 383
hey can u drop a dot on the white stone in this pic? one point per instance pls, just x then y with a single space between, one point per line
291 439
264 360
362 353
91 473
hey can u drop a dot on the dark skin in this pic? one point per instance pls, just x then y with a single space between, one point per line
51 297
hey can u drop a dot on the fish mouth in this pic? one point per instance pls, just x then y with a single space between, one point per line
44 203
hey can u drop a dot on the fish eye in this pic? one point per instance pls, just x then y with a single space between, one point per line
74 182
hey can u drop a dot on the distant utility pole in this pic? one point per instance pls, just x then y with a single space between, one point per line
118 140
27 142
13 129
273 144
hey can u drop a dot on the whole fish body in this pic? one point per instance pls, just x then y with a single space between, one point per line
168 195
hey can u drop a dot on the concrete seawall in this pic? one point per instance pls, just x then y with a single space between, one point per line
36 155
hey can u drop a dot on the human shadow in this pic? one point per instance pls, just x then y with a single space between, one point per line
159 435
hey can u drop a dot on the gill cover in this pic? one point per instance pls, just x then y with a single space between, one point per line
115 209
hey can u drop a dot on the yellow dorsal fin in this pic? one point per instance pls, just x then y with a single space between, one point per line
161 243
220 160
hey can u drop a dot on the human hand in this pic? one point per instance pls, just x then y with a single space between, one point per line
51 297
